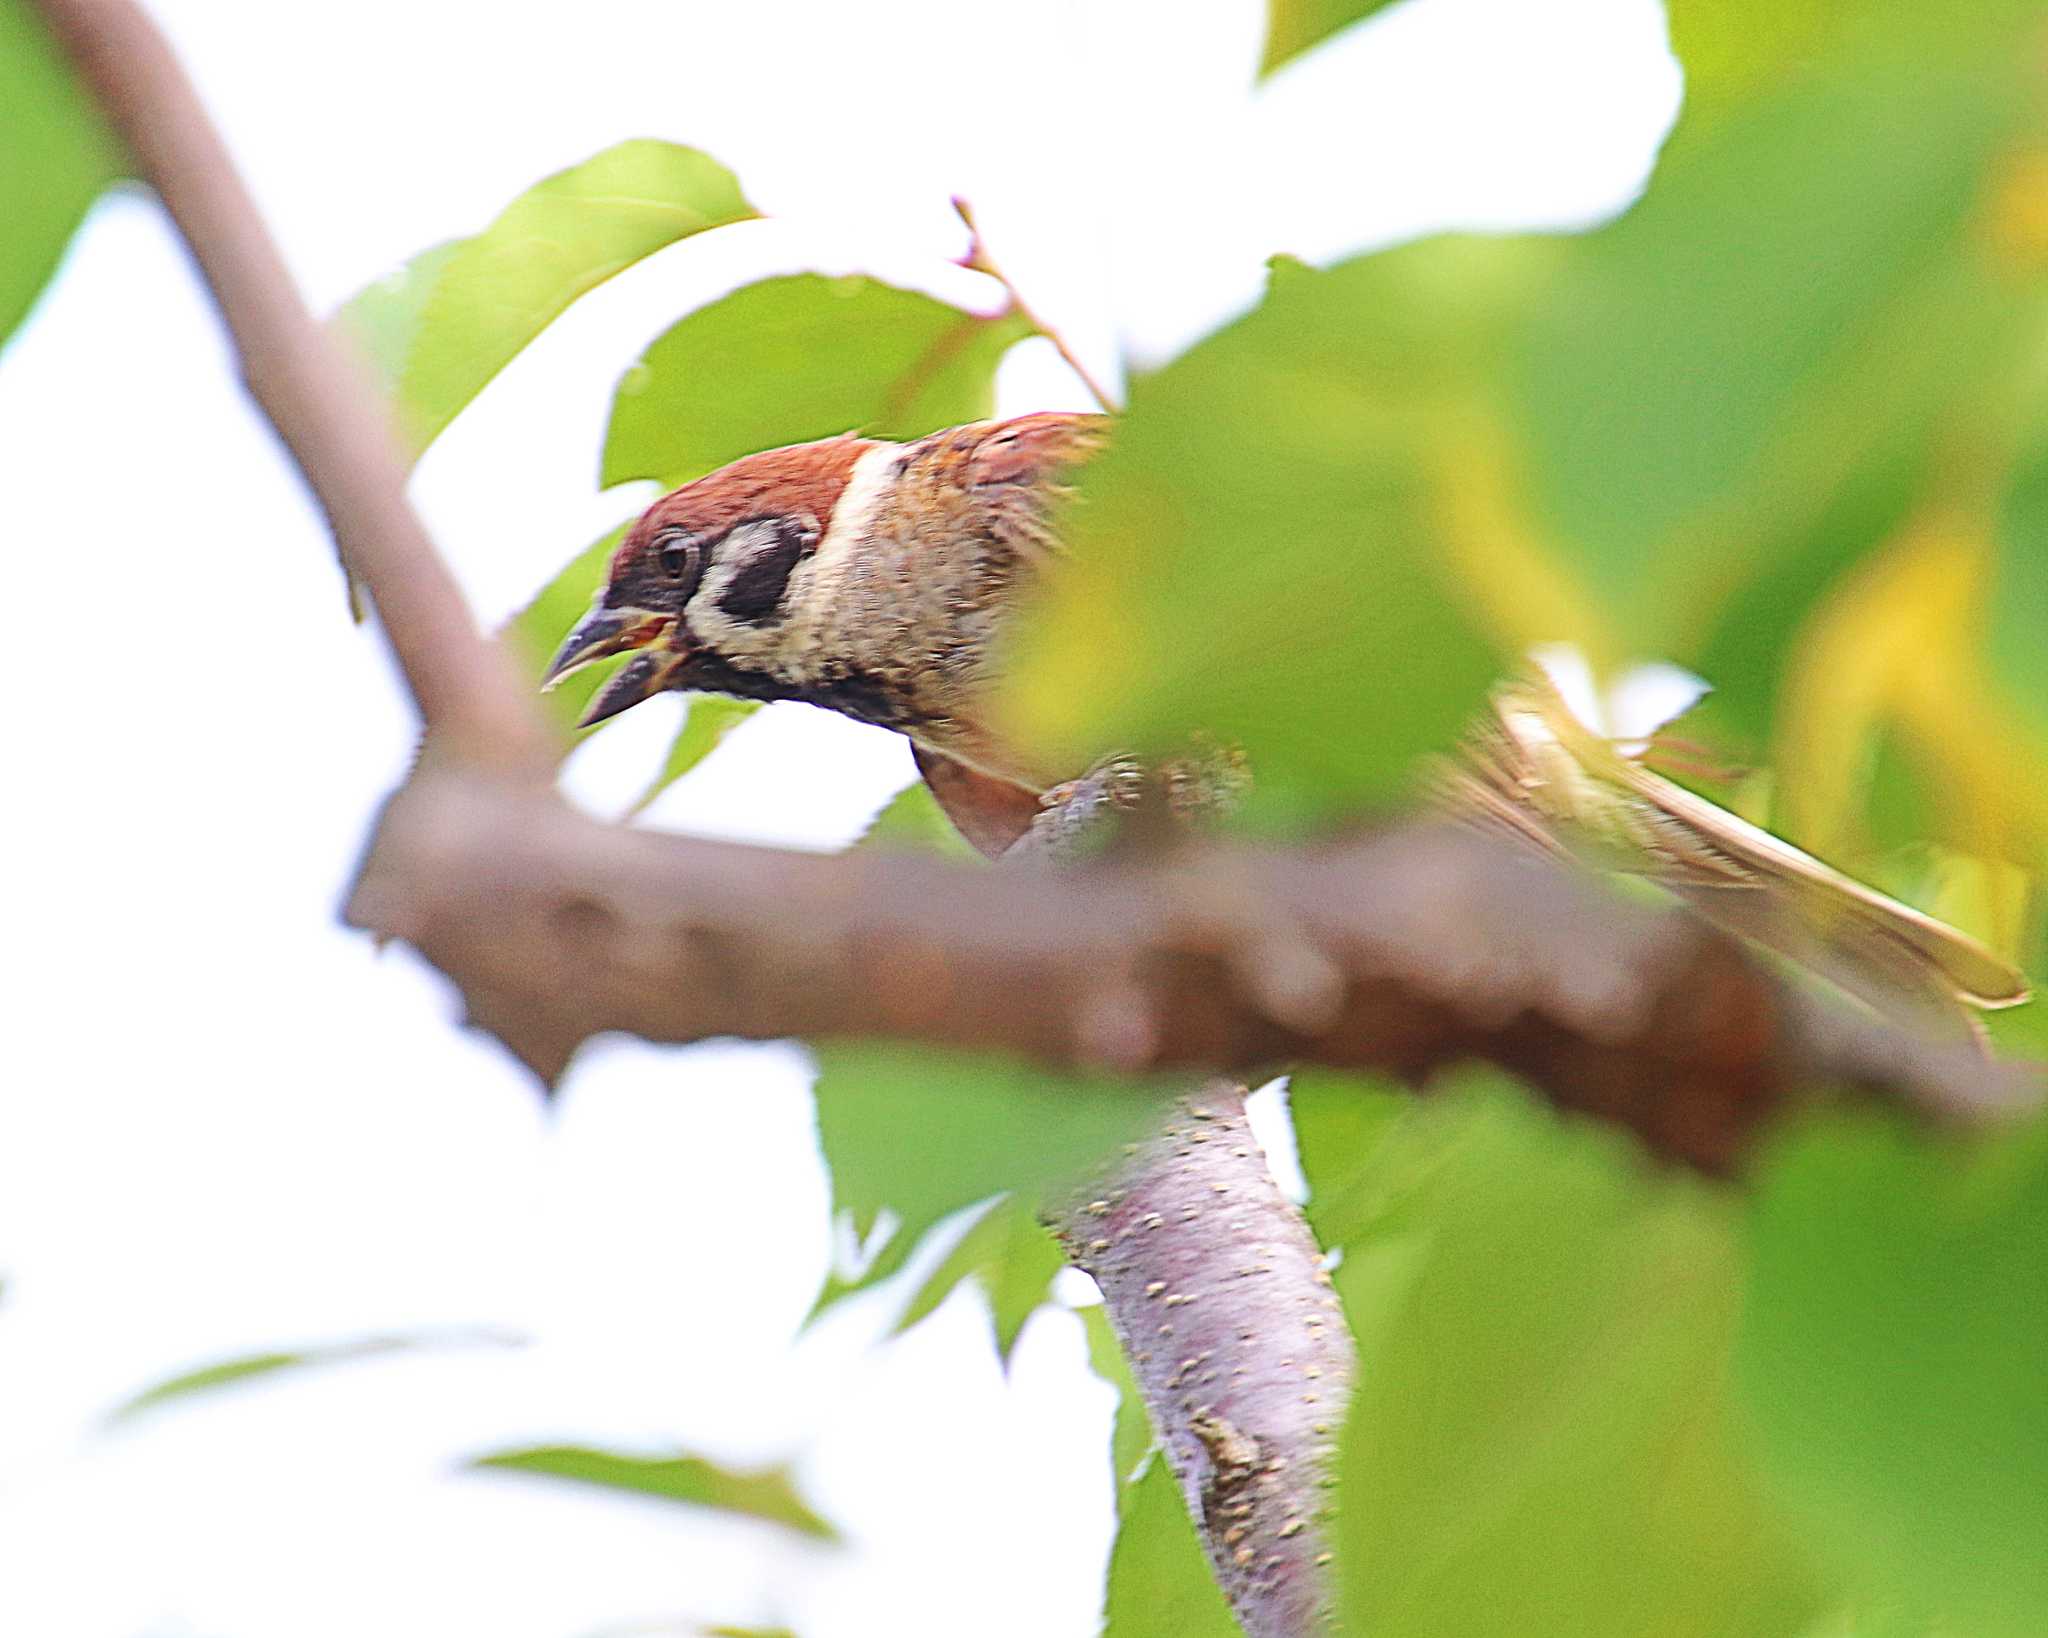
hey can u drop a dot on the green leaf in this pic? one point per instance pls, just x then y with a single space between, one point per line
1160 1585
533 635
1131 1431
1256 554
913 821
1292 26
792 359
1341 1125
229 1373
1011 1255
1541 1420
1685 403
441 327
2019 607
1317 530
710 718
59 155
922 1133
1893 1355
765 1495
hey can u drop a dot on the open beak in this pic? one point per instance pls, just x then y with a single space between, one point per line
604 632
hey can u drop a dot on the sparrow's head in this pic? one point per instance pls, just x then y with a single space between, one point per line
701 582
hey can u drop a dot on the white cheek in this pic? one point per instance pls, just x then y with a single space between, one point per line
777 645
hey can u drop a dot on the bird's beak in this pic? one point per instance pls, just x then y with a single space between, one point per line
604 632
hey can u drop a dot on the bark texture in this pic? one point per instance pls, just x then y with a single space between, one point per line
1218 1294
1402 950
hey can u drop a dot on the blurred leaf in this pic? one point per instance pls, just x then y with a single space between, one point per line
914 821
2016 611
1308 523
1542 1420
229 1373
765 1495
1292 26
1160 1585
1256 553
1896 645
1893 1354
1763 618
1738 52
437 330
59 156
922 1133
1340 1124
710 718
792 359
1681 394
1011 1255
1131 1430
534 634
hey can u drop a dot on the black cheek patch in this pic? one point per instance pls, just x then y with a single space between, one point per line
754 594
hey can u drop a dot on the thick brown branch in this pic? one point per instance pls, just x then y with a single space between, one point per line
314 393
1401 950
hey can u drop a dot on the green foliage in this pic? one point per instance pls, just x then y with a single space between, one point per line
1293 26
792 359
913 821
1159 1582
1339 1123
765 1495
1682 434
2017 601
1668 385
1010 1255
228 1373
1894 1352
1131 1429
59 155
1256 557
1542 1420
437 330
534 634
922 1134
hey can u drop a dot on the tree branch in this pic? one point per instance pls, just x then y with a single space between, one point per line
314 393
1401 950
1217 1293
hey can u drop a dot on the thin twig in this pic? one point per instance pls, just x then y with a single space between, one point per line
980 261
315 394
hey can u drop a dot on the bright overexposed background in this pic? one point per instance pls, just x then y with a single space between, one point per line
229 1125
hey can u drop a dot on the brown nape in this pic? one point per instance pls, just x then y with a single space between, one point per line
1024 448
801 478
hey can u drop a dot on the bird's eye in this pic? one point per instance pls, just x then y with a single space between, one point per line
672 552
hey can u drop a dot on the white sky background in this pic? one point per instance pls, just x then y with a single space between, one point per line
227 1126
